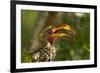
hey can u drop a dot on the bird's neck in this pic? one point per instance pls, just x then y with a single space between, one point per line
48 45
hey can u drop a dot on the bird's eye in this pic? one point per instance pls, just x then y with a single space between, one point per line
50 31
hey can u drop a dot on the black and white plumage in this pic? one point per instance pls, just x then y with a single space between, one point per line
44 54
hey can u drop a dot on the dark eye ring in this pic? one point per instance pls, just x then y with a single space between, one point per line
50 31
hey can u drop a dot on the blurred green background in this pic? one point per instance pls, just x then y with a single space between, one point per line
77 49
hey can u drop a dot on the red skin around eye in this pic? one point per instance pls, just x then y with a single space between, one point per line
51 39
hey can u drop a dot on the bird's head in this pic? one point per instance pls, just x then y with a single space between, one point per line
58 31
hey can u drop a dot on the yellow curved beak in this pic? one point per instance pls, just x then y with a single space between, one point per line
62 30
59 35
69 31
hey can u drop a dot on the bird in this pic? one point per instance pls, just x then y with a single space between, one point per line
49 36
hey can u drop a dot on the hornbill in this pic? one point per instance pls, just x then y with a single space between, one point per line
51 34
